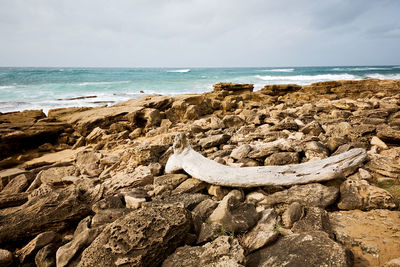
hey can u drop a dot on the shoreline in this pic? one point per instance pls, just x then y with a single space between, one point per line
88 172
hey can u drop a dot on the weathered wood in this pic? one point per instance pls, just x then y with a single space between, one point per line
207 170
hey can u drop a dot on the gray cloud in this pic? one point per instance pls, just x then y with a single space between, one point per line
198 32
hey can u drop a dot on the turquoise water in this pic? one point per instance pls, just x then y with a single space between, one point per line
47 88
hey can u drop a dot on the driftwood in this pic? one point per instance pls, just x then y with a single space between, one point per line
209 171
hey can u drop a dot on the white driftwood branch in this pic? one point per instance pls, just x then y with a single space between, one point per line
209 171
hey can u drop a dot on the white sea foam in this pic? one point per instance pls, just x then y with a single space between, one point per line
179 71
7 87
384 76
281 70
360 68
308 78
101 83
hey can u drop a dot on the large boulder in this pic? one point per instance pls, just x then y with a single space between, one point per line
303 249
359 194
144 237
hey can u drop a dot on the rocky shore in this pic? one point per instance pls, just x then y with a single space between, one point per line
88 187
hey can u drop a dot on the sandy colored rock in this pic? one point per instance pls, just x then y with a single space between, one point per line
358 194
303 249
37 243
223 251
263 233
191 185
292 214
143 237
375 141
6 257
373 236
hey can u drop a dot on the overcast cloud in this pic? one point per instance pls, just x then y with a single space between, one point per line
199 33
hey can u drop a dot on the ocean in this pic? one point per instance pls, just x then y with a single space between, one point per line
48 88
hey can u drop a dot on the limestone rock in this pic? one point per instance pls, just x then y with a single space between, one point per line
88 162
358 194
83 236
106 216
241 151
109 202
141 238
218 192
133 202
6 257
373 236
223 251
312 128
263 233
232 121
214 140
388 134
37 243
303 249
392 263
233 87
47 210
315 219
292 214
17 185
191 185
307 195
46 256
375 141
282 158
234 215
7 175
95 135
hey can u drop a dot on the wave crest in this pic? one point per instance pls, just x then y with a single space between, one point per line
179 71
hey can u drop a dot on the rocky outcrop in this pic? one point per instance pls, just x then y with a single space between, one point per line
143 237
304 249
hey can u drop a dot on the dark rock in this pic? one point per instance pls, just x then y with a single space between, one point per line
6 257
214 140
292 214
303 249
233 87
37 243
315 219
143 237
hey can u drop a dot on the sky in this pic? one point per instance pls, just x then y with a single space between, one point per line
199 33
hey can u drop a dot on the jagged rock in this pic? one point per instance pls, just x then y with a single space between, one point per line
133 202
88 162
384 165
241 151
316 151
37 243
279 89
223 251
6 257
282 158
373 236
312 128
292 214
285 124
143 237
263 233
201 212
388 134
109 202
188 200
315 219
358 194
7 175
83 236
12 200
47 210
191 185
375 141
303 249
234 215
233 87
168 182
140 177
24 130
105 216
214 140
232 121
218 192
341 129
17 185
46 256
307 195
